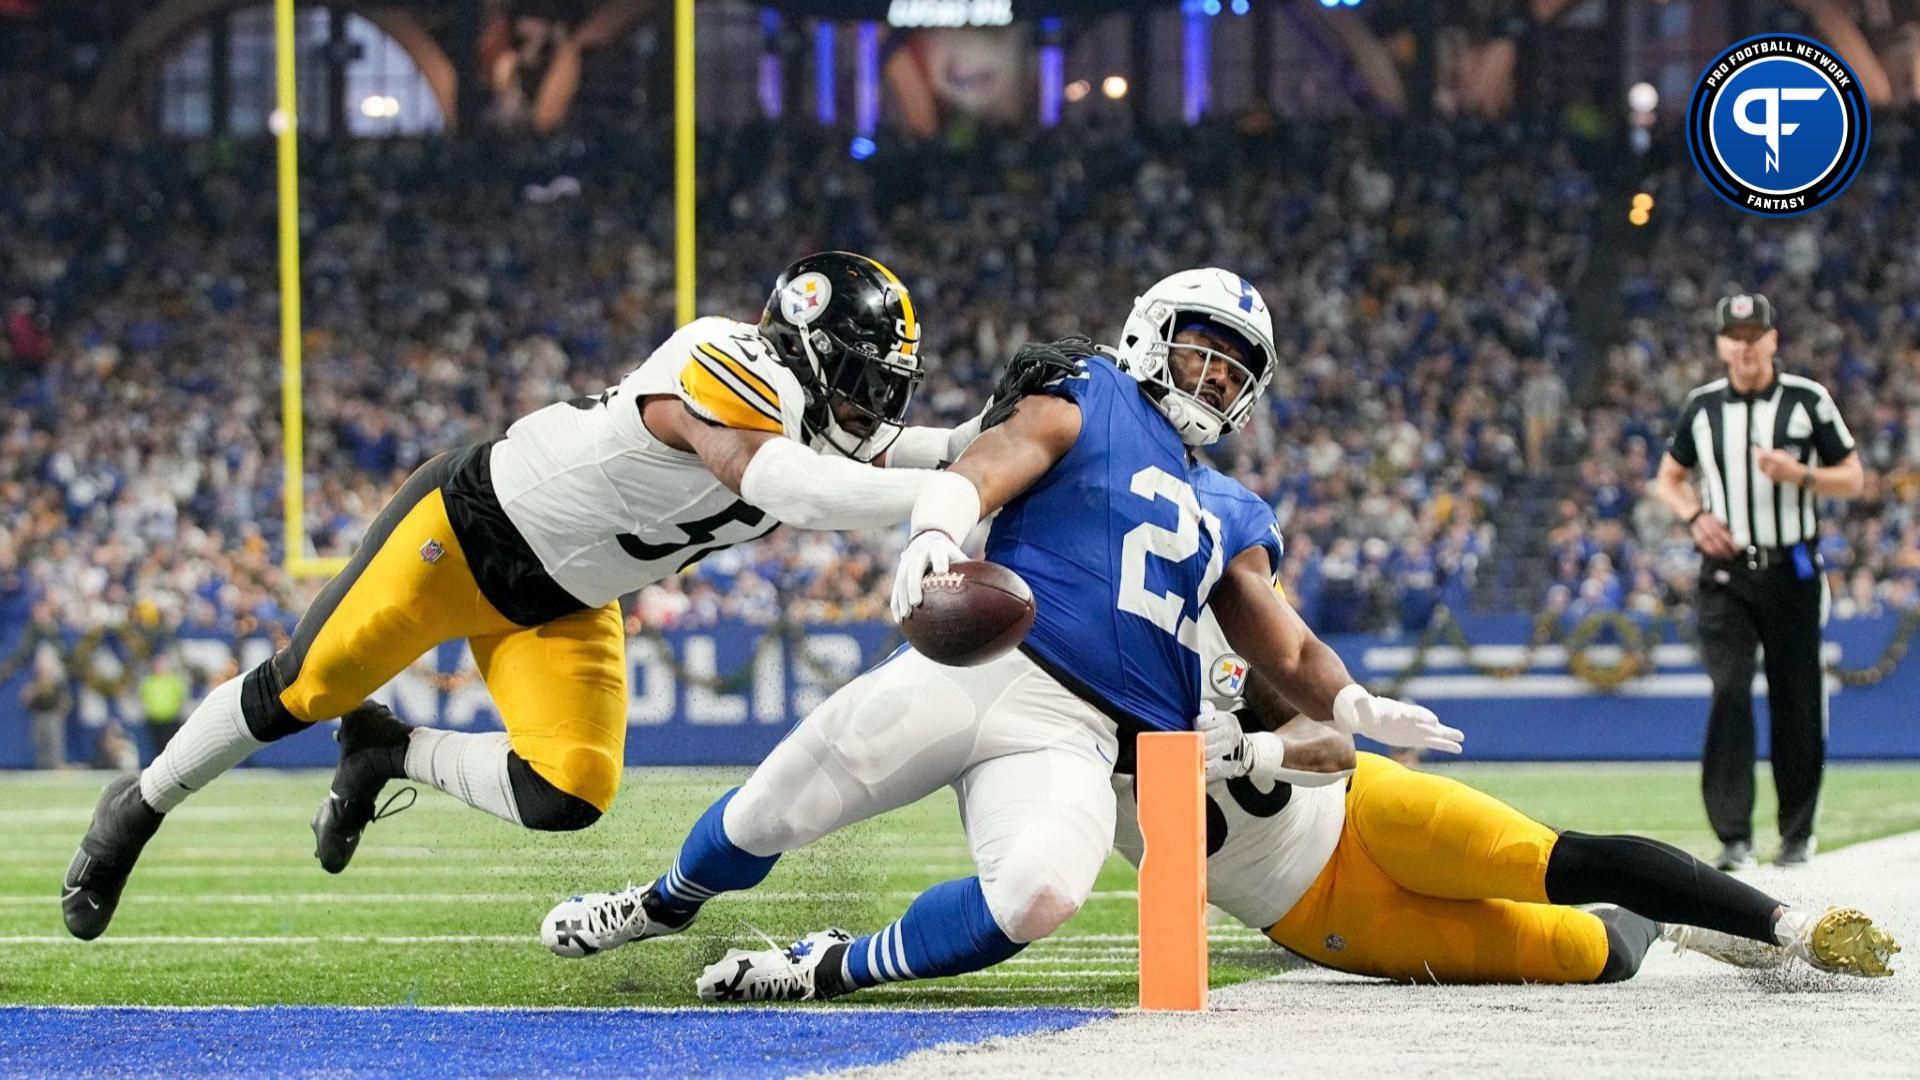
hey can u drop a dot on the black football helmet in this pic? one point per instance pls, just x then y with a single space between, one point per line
845 326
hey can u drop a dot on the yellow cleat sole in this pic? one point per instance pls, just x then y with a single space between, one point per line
1845 940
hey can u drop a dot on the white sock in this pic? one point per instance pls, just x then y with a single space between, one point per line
469 767
1790 925
214 739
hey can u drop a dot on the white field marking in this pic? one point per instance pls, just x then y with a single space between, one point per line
921 988
1126 971
489 939
565 1009
241 899
289 939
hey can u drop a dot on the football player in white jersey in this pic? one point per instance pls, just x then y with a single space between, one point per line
1414 877
523 544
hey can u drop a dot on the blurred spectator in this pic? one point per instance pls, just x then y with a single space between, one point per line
48 700
163 698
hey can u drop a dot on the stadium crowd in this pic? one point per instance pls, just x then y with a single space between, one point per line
1422 310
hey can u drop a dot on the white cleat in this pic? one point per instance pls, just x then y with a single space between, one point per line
1726 948
776 974
595 922
1842 941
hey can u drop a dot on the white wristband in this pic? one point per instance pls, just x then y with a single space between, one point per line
1266 754
1346 707
949 503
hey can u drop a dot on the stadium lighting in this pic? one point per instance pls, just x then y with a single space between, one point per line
1329 3
1643 97
1241 7
379 106
1114 86
1643 201
1211 7
861 148
1639 216
1078 89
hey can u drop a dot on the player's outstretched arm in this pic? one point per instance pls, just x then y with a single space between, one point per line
1264 628
797 486
1003 462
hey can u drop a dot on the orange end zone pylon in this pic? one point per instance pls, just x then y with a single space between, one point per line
1173 871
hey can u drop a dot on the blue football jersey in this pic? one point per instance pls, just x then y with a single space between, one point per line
1121 542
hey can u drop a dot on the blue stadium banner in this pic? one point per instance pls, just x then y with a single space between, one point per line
725 694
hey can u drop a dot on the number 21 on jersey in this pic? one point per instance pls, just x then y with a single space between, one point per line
1167 610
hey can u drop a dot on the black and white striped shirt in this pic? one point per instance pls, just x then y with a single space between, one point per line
1720 433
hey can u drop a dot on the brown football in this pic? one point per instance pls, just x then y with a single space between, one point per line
973 613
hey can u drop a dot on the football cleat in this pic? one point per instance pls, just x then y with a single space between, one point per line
1726 948
373 747
122 824
1842 941
807 970
595 922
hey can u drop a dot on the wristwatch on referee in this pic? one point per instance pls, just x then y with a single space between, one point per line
1695 517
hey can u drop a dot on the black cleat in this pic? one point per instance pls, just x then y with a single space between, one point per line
373 750
122 824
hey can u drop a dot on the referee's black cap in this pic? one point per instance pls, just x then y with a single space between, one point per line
1742 310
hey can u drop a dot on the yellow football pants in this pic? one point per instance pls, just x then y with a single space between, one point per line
1433 881
561 687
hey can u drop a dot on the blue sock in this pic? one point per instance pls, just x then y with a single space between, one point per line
709 864
947 930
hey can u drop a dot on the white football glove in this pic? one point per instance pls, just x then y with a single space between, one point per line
929 552
1394 723
1225 742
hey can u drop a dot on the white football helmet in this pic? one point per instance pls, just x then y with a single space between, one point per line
1222 301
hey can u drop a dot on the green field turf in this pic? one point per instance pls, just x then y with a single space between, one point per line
443 903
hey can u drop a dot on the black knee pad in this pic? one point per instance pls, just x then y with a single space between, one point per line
543 806
267 719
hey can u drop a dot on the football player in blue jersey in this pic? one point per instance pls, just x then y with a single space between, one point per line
1122 537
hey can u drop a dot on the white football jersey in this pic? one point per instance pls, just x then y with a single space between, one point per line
1265 847
607 507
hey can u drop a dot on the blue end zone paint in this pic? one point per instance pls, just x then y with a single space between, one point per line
296 1040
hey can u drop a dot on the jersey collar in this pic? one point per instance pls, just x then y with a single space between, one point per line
1764 393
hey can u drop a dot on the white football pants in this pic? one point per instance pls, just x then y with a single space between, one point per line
1029 761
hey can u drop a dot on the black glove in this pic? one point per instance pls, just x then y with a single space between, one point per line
1033 366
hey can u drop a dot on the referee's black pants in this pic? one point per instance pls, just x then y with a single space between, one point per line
1774 608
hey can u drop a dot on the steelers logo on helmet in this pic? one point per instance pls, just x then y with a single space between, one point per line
1227 675
1778 125
805 298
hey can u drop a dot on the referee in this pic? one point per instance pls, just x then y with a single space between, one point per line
1766 445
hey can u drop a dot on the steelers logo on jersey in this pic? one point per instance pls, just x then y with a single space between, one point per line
1227 675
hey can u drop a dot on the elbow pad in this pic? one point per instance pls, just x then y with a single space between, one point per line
819 491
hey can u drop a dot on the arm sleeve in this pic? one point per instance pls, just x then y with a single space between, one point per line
932 447
817 491
1830 435
1680 447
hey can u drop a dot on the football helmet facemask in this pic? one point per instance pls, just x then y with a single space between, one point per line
1222 304
845 326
